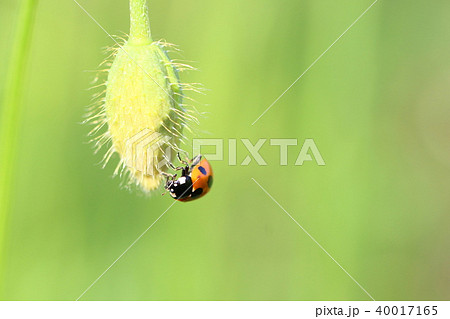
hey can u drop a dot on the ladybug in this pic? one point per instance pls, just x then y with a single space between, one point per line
195 181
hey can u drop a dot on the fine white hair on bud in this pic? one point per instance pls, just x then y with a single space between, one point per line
140 115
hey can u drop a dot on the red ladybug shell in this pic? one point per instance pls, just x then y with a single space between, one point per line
202 179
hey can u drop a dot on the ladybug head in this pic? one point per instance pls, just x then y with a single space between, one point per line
180 188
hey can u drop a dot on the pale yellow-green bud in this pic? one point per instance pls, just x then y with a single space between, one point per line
143 105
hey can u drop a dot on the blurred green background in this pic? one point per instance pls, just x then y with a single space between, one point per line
377 106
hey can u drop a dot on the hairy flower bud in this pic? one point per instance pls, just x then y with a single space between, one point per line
143 107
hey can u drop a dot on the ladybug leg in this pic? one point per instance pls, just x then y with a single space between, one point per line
175 168
171 176
186 163
169 180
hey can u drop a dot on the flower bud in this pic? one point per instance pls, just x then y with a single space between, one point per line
142 108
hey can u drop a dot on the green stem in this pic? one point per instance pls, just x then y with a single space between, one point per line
139 23
10 114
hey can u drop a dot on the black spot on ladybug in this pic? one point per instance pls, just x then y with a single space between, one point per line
197 192
210 181
202 170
